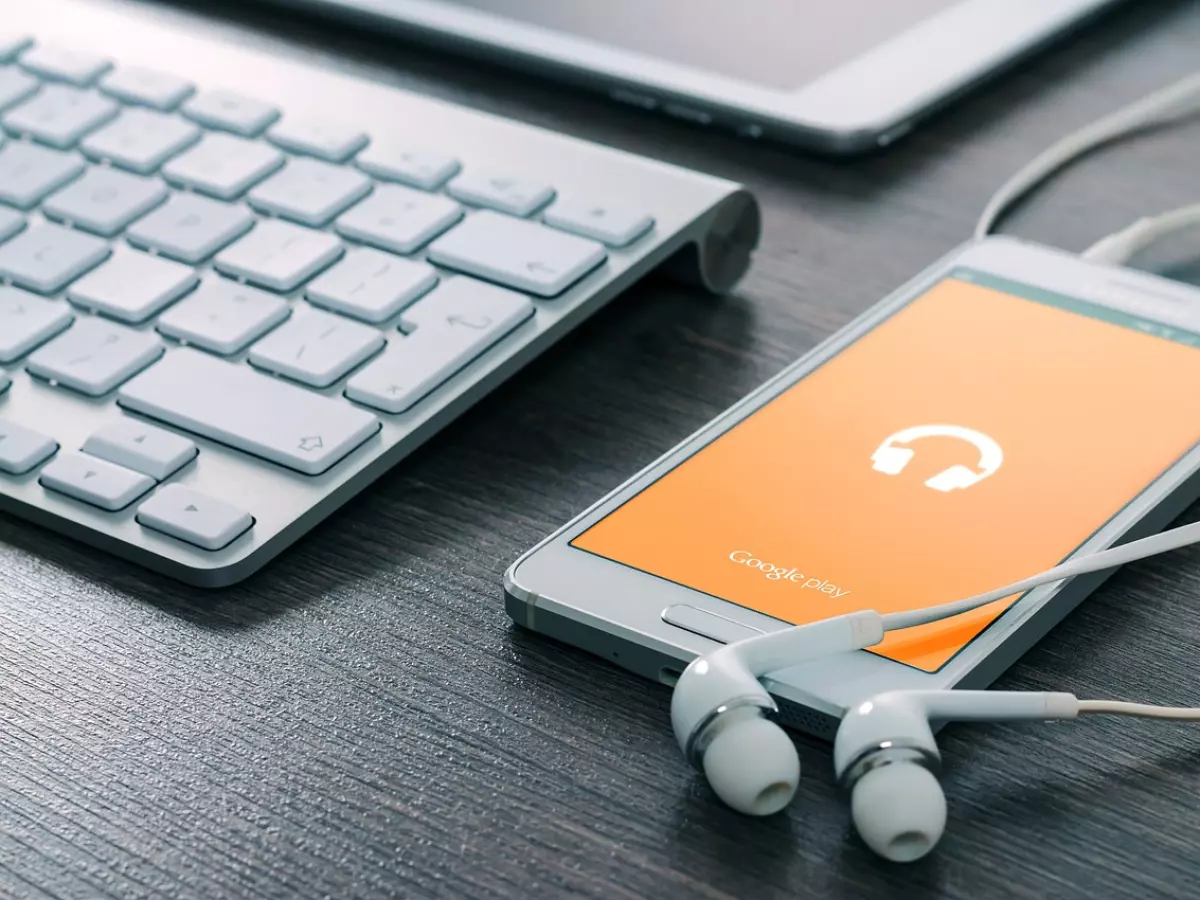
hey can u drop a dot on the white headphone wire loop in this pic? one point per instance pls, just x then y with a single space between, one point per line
1172 102
1093 562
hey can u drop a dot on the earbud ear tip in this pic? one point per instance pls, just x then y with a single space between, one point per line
899 811
753 767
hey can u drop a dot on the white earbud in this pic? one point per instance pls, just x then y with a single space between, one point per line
722 714
886 757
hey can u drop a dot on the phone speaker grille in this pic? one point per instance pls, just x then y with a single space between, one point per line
802 719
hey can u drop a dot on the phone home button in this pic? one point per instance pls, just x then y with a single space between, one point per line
706 624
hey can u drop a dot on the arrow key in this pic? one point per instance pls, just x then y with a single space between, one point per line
193 517
141 447
94 481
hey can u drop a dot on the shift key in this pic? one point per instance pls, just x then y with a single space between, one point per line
255 413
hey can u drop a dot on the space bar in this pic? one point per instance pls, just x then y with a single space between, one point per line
235 405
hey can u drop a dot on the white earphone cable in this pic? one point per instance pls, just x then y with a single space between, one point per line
1094 562
1120 247
1138 710
1179 99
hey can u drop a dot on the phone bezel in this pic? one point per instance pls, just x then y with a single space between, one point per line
607 601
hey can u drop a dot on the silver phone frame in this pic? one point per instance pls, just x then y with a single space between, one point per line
602 606
862 104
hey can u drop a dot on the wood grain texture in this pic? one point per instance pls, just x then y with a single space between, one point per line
361 720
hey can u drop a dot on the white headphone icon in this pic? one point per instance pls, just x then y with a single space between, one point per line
891 459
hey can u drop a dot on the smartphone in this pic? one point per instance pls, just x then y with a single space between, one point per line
1009 408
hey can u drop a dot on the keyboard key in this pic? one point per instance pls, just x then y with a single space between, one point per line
612 225
468 303
15 86
141 140
190 228
223 165
424 169
46 258
399 218
146 87
94 481
516 253
279 256
27 322
495 190
316 349
22 450
453 325
95 356
131 287
223 316
12 45
10 223
310 192
142 448
272 419
60 115
29 173
371 285
193 517
105 201
230 112
58 64
322 140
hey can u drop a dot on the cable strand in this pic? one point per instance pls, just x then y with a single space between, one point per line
1121 246
1093 562
1138 710
1174 101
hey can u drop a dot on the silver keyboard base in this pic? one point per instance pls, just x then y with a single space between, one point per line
705 231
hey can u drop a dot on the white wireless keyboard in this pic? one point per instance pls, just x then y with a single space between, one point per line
236 289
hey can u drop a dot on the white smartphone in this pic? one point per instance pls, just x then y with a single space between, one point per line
1009 408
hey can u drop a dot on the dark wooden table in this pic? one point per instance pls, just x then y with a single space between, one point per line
362 720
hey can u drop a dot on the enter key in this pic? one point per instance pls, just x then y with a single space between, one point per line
448 329
516 253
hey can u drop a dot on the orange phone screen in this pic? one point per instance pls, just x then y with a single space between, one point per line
977 436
